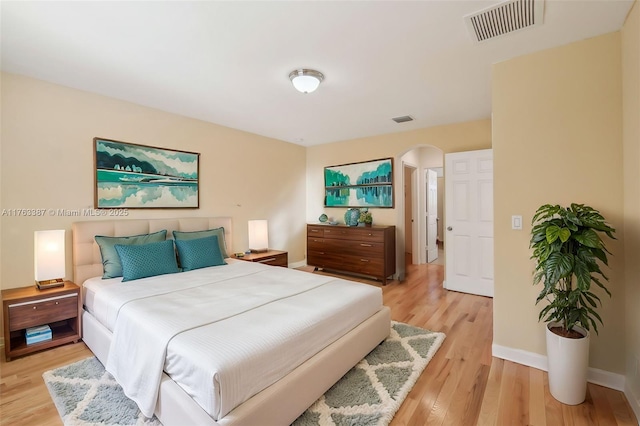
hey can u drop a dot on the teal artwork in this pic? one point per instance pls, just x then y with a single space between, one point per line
364 184
139 176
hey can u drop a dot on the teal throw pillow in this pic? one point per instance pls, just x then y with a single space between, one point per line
199 253
111 265
218 232
147 260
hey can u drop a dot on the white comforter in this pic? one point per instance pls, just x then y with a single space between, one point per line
223 333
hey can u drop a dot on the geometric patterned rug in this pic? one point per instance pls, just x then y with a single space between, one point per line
85 394
373 391
369 394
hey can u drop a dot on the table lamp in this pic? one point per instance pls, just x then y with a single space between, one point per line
49 258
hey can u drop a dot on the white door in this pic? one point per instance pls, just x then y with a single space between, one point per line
469 222
431 179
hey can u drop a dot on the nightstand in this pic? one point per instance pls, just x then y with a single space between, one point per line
271 257
26 307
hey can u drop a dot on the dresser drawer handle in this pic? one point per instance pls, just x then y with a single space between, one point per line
366 245
35 307
321 252
364 260
369 234
56 303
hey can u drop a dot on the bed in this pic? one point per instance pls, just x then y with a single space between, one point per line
283 391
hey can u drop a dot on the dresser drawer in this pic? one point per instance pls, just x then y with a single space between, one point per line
358 264
323 259
314 243
365 265
43 311
315 231
354 233
353 248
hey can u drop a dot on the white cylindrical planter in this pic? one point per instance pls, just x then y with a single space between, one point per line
568 361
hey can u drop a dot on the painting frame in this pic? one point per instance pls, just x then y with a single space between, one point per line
364 184
135 176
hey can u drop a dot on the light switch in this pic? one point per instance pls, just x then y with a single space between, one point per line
516 222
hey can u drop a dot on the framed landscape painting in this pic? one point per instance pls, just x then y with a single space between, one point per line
139 176
364 184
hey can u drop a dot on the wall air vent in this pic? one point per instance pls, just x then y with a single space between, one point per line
403 119
504 18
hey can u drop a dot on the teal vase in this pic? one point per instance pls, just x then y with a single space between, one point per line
351 217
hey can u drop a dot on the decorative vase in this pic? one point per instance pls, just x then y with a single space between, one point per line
568 363
351 217
323 218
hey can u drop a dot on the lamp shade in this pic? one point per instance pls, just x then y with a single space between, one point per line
49 256
305 80
258 235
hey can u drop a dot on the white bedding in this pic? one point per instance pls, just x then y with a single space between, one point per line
247 326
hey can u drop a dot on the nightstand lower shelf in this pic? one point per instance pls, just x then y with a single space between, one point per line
61 333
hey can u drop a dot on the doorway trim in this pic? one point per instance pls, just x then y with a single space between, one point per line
415 209
418 202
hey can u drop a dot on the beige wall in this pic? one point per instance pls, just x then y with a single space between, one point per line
466 136
47 162
557 138
631 168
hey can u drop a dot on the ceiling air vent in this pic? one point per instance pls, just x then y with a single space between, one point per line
403 119
503 18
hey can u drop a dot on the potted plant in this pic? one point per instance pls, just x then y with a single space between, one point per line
567 246
365 217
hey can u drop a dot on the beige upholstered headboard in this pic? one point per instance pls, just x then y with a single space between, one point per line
87 261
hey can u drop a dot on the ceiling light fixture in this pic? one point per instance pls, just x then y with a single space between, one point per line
305 80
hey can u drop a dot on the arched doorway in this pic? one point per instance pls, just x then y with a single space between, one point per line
412 219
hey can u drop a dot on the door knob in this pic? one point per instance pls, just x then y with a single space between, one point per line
449 228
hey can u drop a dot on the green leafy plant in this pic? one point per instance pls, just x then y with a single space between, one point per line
566 247
365 217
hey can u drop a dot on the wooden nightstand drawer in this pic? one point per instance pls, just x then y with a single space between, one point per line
277 260
43 311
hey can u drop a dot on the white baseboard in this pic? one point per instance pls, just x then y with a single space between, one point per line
634 401
298 264
531 359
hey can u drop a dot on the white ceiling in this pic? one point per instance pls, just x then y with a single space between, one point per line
228 62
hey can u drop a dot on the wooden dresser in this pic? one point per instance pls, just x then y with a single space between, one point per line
367 251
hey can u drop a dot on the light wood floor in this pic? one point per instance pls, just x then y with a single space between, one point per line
463 384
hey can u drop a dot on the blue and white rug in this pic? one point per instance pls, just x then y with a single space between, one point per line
372 392
369 394
85 394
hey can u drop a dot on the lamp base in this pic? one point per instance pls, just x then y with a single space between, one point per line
46 284
264 250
